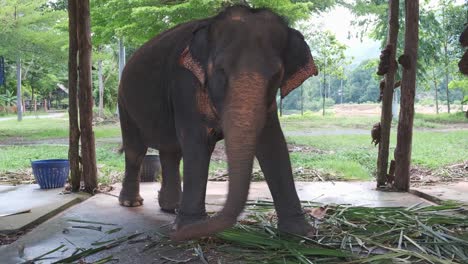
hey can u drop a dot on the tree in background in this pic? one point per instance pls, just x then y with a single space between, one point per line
329 56
460 82
440 25
30 34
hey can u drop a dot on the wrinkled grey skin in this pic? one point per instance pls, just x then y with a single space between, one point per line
204 81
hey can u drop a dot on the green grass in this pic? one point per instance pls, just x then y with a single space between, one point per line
350 157
443 118
353 156
297 122
13 158
310 120
437 149
35 129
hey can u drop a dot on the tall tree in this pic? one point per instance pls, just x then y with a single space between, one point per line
329 56
88 152
29 34
408 89
387 60
74 132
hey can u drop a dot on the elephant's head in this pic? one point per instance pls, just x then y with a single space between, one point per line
242 57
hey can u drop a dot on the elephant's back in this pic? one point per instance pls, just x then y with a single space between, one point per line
147 77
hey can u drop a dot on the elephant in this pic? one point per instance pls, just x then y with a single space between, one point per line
204 81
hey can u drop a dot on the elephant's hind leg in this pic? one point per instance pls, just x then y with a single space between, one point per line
170 192
135 151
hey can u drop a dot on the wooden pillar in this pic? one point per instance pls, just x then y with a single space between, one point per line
88 152
74 133
386 115
408 88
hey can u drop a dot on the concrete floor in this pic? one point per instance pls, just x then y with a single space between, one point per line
444 192
148 219
42 204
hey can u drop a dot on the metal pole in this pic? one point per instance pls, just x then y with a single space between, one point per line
121 66
19 104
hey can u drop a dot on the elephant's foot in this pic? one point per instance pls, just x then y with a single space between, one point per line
183 220
297 226
130 200
169 200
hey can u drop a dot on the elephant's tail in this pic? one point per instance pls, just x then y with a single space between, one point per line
121 149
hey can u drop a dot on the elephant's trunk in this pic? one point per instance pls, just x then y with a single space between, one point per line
243 119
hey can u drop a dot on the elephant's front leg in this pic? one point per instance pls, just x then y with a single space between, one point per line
196 159
273 156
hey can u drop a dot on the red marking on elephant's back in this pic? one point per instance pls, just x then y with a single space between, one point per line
187 61
204 104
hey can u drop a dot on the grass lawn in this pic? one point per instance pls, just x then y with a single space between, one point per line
311 120
35 129
351 157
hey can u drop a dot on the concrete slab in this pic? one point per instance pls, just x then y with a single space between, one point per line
444 192
7 188
42 203
150 220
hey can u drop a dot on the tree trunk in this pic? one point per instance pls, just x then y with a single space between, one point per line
19 105
88 152
323 92
33 99
447 89
281 106
101 89
121 65
121 57
74 133
446 60
386 115
436 91
408 90
302 100
341 91
46 108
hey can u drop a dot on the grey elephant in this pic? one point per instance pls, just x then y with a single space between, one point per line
199 83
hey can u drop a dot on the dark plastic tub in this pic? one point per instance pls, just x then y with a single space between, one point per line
51 173
150 168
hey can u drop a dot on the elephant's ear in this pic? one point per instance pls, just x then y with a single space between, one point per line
298 63
195 55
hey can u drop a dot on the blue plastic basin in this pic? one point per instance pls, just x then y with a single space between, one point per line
51 173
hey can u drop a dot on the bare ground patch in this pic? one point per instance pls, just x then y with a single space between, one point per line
453 173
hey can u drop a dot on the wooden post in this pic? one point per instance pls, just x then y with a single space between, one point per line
74 133
386 115
408 89
88 152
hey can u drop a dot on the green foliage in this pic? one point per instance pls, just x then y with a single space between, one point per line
462 85
362 85
29 32
440 24
7 99
139 20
